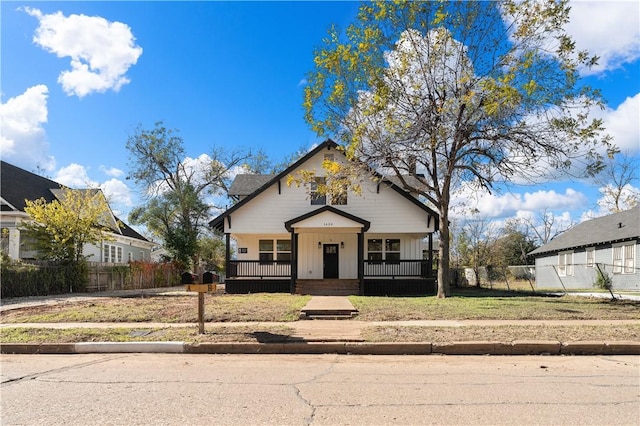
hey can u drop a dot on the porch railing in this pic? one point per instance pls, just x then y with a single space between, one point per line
396 268
260 269
372 268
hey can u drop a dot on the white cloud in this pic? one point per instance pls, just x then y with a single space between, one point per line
22 137
495 206
101 52
623 124
608 29
111 171
117 192
75 176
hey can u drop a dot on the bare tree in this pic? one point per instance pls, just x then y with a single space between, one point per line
457 92
617 181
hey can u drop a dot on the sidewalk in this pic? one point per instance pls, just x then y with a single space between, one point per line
315 336
331 336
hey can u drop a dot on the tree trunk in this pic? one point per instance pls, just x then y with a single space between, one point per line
443 253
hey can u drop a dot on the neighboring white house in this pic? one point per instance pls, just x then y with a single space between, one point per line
291 239
609 244
18 185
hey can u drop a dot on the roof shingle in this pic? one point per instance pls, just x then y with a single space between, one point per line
623 226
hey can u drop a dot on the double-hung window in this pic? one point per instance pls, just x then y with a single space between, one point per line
565 264
283 248
384 249
265 251
111 254
318 198
591 257
374 250
624 258
392 250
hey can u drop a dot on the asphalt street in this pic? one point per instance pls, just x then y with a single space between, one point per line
180 389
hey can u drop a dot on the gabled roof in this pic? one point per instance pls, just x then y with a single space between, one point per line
617 227
18 185
246 184
218 222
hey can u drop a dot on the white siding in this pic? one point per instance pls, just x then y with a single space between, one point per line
583 275
386 210
310 257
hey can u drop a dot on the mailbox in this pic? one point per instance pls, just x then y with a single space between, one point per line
187 278
210 278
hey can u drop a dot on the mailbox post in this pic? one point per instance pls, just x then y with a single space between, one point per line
206 287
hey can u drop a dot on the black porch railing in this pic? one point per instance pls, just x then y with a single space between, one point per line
259 269
396 268
372 268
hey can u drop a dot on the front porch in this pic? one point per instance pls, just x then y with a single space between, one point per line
331 252
379 278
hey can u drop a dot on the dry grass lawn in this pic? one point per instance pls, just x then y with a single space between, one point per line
476 304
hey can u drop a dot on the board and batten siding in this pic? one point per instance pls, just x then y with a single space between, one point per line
584 276
386 210
310 253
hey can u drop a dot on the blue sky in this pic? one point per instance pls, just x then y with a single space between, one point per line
228 74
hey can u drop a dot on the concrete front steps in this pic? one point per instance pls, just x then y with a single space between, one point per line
328 287
328 308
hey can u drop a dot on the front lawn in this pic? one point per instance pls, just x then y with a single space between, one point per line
464 304
485 304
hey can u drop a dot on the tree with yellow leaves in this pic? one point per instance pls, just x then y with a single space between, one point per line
457 93
60 229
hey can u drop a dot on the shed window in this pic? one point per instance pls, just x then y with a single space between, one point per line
624 259
591 255
629 259
565 264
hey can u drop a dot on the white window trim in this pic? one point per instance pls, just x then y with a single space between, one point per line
624 267
111 253
590 260
565 263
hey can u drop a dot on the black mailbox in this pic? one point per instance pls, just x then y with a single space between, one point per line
209 278
187 278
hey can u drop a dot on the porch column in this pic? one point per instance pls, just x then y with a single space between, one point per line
14 243
430 257
227 256
361 262
294 261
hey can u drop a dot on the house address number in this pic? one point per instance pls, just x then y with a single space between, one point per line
327 224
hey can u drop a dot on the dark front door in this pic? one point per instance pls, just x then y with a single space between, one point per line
330 261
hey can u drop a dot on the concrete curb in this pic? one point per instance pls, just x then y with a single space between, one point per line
354 348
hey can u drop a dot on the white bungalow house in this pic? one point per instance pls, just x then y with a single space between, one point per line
609 244
288 239
18 185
